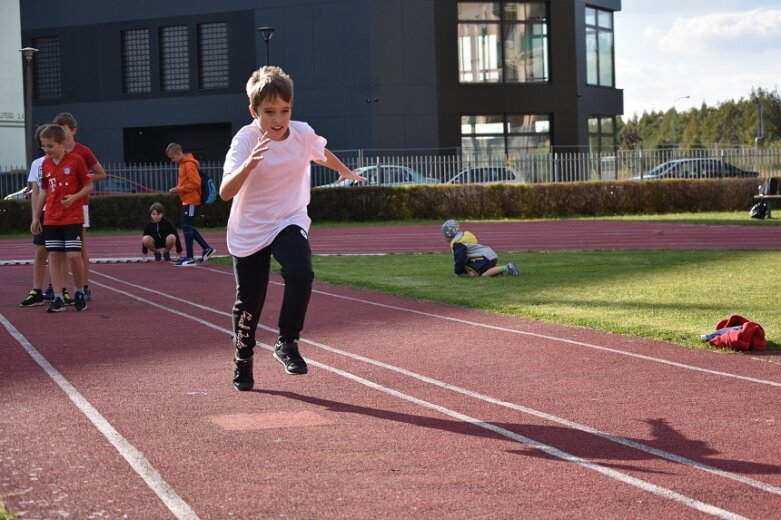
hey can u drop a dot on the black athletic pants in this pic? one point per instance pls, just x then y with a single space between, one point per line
291 249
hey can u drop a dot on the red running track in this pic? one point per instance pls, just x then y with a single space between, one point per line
410 409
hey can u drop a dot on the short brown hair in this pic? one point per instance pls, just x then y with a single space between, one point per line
269 82
173 148
54 132
66 119
157 207
37 134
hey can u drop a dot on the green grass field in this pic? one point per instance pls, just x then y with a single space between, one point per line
669 295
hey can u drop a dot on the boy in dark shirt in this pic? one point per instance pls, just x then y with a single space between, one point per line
160 235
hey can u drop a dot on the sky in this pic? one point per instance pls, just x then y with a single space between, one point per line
710 50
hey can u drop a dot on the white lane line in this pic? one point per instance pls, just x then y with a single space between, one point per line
679 459
669 494
537 335
133 456
559 339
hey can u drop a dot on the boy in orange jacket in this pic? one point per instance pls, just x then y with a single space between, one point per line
189 190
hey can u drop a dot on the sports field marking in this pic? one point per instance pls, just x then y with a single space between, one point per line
536 335
133 456
679 459
476 395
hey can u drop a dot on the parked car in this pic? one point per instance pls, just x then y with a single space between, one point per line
22 194
485 174
386 175
696 169
115 185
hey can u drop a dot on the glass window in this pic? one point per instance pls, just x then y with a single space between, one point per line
213 55
47 82
174 58
505 133
602 135
502 42
599 48
136 64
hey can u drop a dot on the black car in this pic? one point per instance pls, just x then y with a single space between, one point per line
697 169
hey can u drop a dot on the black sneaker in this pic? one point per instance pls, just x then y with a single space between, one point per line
286 352
158 257
34 299
80 303
167 256
48 295
57 305
66 298
87 294
242 375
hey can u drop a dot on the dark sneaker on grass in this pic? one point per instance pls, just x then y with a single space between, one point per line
242 375
207 253
48 294
80 303
34 299
57 305
66 298
286 352
512 269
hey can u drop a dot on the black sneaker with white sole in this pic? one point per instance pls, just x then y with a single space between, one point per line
80 302
286 352
57 305
242 374
34 299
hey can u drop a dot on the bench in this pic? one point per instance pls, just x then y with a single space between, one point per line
769 199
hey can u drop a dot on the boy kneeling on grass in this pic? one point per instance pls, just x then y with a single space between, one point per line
471 258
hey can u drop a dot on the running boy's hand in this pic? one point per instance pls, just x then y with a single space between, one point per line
262 147
352 176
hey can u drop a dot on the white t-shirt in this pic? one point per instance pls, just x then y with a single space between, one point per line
36 174
276 193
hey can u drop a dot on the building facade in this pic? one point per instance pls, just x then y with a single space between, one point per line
12 140
369 74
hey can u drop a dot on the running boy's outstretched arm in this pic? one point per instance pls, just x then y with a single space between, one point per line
333 162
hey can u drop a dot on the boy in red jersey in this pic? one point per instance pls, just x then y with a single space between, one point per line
65 182
96 172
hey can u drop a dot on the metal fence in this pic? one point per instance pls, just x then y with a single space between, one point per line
456 165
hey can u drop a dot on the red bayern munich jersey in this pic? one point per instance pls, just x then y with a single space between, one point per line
66 178
89 159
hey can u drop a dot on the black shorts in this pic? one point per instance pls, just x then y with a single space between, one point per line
65 238
481 265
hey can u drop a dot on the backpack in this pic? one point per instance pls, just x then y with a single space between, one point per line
208 189
758 210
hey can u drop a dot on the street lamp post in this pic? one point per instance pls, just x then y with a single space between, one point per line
267 33
27 54
675 116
